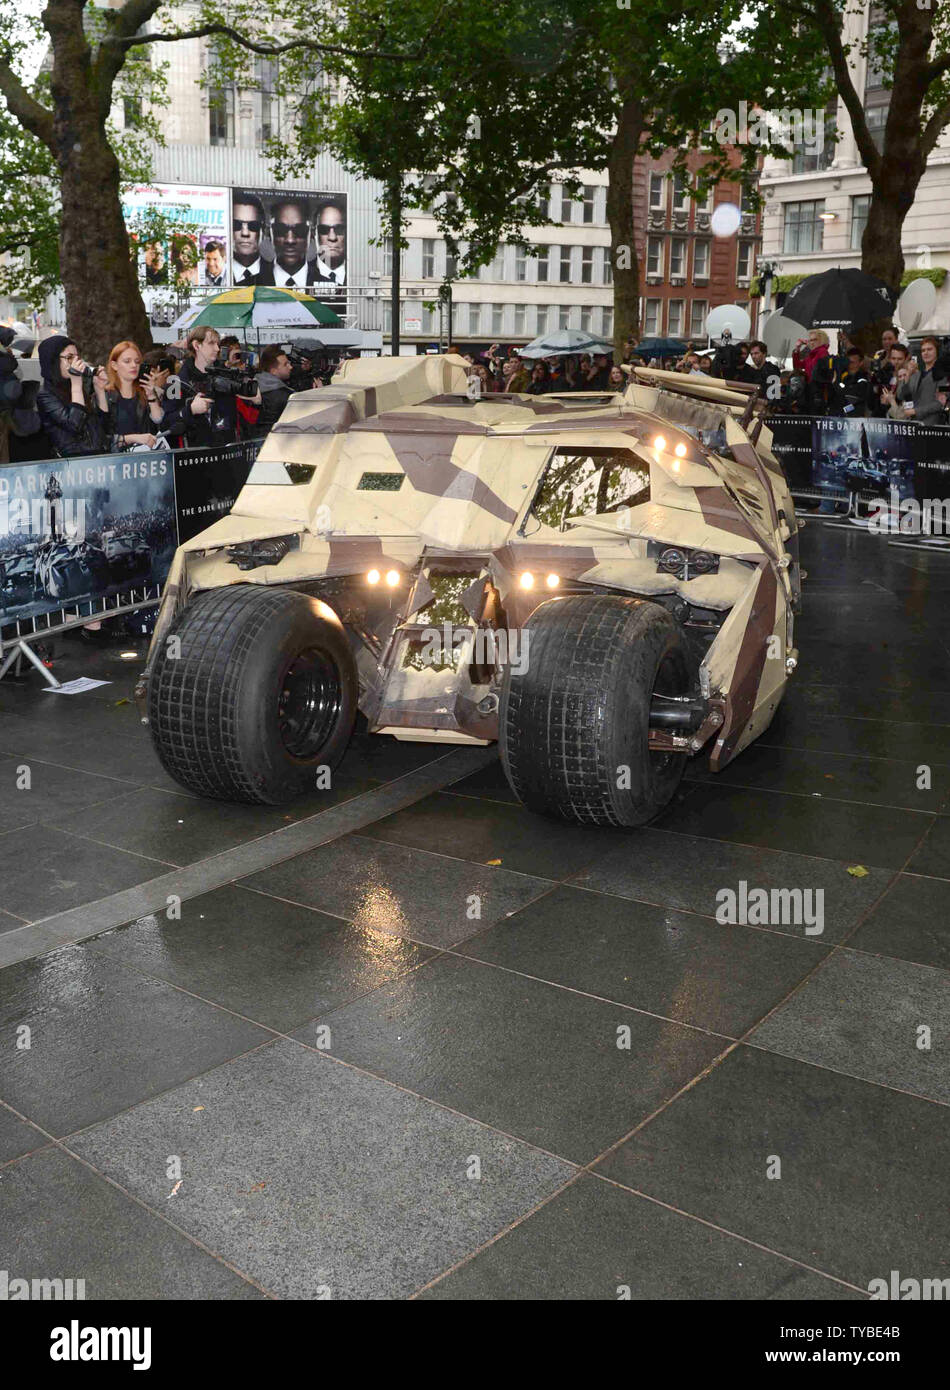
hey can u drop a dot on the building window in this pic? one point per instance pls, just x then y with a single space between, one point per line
588 203
564 316
268 73
388 257
221 115
808 161
587 265
678 256
680 193
651 317
428 258
698 310
655 255
608 327
675 317
859 218
608 270
474 320
543 254
704 201
877 119
587 318
497 318
744 261
544 318
521 326
451 264
803 226
701 260
657 192
746 200
521 263
560 204
565 264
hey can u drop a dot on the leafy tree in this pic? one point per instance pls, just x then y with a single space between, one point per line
911 46
57 133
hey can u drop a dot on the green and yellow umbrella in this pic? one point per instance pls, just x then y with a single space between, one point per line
260 306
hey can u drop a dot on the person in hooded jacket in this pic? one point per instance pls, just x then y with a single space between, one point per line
68 400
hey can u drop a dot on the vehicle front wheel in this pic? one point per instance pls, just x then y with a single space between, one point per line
575 716
256 697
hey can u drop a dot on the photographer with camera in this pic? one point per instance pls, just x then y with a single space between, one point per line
200 379
71 400
133 412
273 382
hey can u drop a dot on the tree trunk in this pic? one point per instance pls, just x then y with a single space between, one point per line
100 278
626 268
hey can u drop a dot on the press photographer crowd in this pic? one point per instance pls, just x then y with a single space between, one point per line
211 390
895 382
207 390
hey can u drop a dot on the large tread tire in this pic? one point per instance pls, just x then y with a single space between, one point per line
574 724
214 710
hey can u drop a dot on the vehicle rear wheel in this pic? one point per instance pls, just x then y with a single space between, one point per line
574 724
261 697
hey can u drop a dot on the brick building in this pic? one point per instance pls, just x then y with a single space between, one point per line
685 269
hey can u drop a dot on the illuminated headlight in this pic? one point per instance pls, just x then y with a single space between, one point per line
659 443
680 450
373 577
527 580
392 578
552 581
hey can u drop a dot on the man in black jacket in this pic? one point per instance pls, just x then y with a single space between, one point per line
272 382
855 385
764 373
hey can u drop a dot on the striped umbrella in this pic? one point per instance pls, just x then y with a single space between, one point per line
260 306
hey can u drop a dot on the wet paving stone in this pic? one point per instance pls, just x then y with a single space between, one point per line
45 871
863 1015
689 872
597 1241
548 1065
863 1169
273 962
407 892
484 831
912 922
103 1037
319 1181
59 1220
680 967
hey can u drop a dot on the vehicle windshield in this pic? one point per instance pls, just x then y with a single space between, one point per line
588 482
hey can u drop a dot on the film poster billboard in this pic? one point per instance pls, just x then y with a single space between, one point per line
293 239
193 252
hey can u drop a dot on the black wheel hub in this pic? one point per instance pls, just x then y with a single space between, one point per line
308 704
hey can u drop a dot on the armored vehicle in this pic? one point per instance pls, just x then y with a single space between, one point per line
605 584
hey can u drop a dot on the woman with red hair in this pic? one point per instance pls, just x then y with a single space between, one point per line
817 345
132 408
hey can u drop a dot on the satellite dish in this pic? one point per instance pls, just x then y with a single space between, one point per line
916 305
726 220
728 318
781 334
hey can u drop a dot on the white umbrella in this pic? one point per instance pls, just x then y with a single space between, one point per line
565 342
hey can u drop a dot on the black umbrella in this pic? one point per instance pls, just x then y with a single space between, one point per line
846 299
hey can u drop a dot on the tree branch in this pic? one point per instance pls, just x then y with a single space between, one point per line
28 111
932 130
268 49
826 18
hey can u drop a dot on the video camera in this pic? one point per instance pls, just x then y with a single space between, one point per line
727 358
164 364
232 381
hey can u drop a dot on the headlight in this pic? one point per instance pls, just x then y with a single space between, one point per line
527 580
552 581
373 577
392 578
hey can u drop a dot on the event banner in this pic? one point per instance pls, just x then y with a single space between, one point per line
80 530
837 455
206 483
85 528
294 239
194 252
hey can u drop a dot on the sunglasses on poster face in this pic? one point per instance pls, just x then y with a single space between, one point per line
337 228
253 226
290 230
